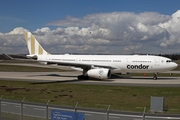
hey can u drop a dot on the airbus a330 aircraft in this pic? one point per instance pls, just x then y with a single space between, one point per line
100 66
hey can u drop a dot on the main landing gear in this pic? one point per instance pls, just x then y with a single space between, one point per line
155 76
84 76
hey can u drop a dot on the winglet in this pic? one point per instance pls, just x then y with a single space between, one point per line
33 45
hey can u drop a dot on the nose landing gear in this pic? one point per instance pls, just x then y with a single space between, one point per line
155 76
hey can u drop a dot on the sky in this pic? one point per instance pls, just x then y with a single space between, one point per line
92 27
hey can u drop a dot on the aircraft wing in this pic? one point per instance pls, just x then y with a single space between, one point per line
81 65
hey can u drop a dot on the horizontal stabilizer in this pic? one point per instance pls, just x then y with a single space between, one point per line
7 56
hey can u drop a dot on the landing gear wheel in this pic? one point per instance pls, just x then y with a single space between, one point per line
155 76
82 77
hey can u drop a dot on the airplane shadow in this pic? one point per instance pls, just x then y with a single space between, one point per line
62 81
57 75
67 81
53 75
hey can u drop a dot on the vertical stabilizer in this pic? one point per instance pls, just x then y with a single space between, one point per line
33 45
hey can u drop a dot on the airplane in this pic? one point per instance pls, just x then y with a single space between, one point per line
100 66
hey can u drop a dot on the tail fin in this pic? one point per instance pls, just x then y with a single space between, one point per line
33 45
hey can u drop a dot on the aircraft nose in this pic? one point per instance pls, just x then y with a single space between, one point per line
175 64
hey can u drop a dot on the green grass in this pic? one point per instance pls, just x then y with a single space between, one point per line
122 98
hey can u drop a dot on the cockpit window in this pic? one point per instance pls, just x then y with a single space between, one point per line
168 61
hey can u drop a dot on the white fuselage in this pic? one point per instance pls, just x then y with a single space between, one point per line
116 63
100 66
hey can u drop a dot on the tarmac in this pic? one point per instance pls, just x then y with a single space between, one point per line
71 77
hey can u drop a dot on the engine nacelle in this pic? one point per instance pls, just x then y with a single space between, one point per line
99 73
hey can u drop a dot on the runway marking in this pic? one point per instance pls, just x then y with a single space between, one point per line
4 104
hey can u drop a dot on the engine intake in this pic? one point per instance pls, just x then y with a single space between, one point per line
99 73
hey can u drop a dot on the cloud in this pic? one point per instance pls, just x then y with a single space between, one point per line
124 27
173 28
108 33
13 41
18 30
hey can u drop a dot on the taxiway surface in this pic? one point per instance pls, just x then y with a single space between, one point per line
71 77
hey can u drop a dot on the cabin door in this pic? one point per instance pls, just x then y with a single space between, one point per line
156 62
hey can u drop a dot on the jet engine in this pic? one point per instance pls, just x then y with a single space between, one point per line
99 73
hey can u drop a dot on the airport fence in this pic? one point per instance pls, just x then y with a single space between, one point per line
21 110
